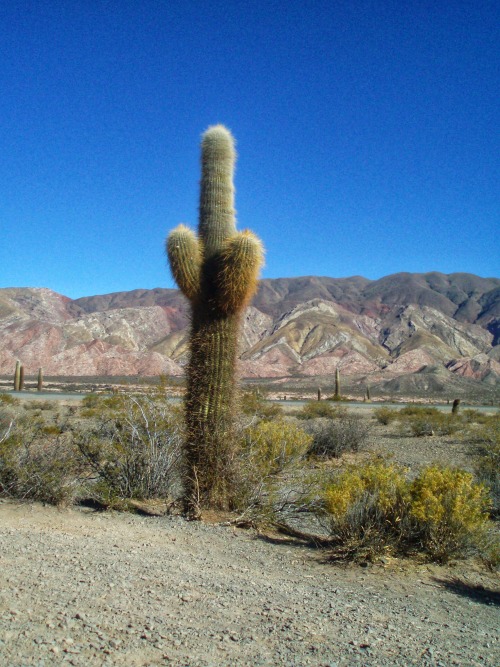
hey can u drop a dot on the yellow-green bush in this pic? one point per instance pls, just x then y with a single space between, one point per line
451 511
271 446
374 508
366 507
270 470
419 410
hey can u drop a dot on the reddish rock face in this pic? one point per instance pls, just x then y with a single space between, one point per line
300 327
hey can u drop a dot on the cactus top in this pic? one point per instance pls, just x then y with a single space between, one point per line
217 215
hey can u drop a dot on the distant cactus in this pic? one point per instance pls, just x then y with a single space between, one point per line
368 397
17 376
336 396
40 379
319 393
455 406
217 270
21 378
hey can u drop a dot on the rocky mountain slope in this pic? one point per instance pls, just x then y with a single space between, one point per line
400 326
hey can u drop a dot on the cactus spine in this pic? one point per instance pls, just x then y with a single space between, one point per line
17 376
217 270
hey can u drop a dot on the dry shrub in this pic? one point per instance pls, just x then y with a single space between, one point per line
38 461
334 437
385 415
252 404
134 449
33 404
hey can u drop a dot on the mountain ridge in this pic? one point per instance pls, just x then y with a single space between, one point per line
295 327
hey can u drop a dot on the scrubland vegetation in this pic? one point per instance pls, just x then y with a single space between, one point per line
313 473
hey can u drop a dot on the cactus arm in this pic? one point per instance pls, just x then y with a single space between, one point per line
217 215
185 256
239 266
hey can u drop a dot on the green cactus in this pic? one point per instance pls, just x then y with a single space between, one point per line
21 378
217 270
39 383
17 376
336 396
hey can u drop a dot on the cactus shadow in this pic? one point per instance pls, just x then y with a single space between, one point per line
474 592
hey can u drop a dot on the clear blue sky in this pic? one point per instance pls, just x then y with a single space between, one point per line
368 135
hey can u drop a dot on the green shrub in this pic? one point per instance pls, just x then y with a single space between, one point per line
385 415
471 416
334 437
39 405
254 405
271 446
419 410
320 409
8 399
98 405
429 423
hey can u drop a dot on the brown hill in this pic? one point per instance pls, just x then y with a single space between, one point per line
373 331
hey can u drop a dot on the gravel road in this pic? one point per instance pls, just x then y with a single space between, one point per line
87 588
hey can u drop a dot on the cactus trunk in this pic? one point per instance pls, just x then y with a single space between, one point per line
40 379
217 271
337 385
17 376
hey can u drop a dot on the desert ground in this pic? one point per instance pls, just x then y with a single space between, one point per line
86 587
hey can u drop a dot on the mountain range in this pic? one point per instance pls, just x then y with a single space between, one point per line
400 332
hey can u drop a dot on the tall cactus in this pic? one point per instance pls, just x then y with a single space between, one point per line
39 384
217 270
336 396
17 376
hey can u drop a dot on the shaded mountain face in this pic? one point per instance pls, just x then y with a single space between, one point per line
375 331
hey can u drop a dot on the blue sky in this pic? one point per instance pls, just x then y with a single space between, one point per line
367 134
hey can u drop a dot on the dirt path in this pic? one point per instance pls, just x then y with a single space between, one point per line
86 588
